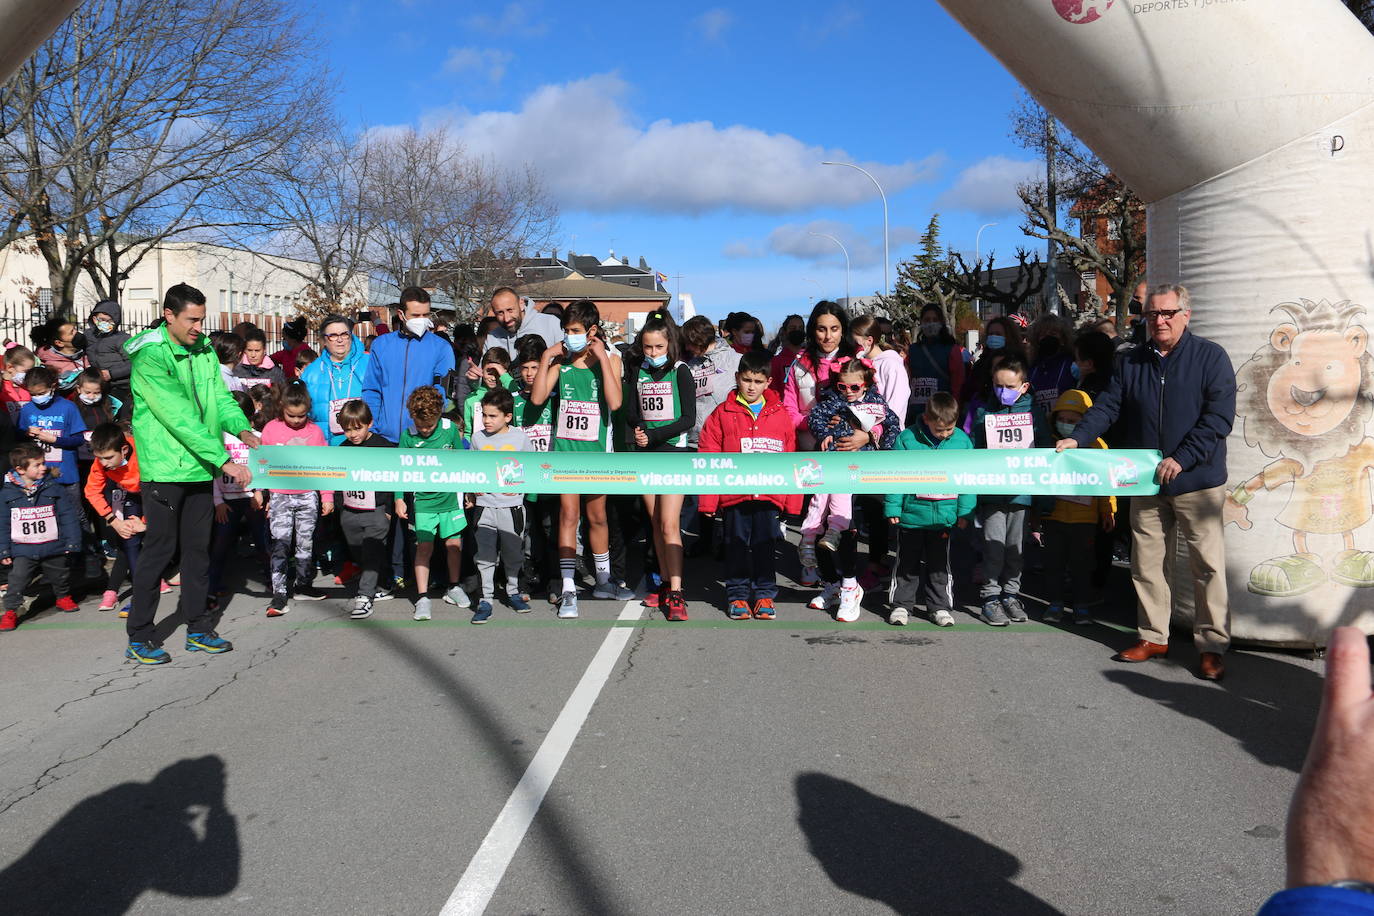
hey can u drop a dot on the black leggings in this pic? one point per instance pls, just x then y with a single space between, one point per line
835 565
879 531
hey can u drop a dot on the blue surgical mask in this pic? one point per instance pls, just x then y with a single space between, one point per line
656 362
1008 396
996 341
1065 430
1075 371
42 400
575 343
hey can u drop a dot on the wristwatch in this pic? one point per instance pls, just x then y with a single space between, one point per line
1350 884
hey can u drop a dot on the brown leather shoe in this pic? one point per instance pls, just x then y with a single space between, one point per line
1142 651
1211 667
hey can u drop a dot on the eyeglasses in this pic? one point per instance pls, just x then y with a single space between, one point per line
841 386
1162 315
343 335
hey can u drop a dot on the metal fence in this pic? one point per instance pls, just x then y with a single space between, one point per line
19 318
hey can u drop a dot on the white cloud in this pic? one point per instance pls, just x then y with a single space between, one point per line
595 155
514 19
833 23
807 242
988 187
490 62
741 250
713 23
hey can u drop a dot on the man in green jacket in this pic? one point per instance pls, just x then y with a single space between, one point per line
182 411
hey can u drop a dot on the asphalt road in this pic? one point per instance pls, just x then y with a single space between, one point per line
793 766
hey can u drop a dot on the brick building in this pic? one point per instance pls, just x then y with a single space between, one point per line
1098 221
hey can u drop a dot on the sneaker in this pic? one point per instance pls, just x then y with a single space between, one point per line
993 613
828 599
175 580
942 618
652 599
518 603
899 617
124 611
163 589
210 642
739 610
108 601
307 592
1015 610
850 599
145 653
483 612
383 594
676 605
612 591
830 540
65 603
567 605
278 607
764 610
1081 617
810 577
349 572
457 596
399 584
9 620
362 608
806 552
1053 614
422 606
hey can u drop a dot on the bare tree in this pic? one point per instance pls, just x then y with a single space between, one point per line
1085 180
441 218
155 108
975 281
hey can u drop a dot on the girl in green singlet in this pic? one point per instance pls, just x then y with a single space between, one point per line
586 378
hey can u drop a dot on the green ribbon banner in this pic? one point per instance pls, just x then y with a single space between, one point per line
1030 472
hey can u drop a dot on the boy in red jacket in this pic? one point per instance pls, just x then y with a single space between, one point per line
753 421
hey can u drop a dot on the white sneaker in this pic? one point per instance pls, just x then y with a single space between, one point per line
457 596
567 606
422 608
899 617
828 599
849 604
942 618
362 608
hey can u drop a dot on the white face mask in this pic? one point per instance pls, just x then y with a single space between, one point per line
418 326
19 376
89 398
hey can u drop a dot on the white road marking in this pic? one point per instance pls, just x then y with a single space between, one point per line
493 857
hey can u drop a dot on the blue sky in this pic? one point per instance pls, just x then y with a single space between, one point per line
692 135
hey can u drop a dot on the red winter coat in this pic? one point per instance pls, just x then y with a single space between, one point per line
732 422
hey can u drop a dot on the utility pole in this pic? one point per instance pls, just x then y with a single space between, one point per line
1051 204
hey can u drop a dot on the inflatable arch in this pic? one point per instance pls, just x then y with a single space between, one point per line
1247 126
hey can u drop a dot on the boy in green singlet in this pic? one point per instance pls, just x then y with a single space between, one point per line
586 379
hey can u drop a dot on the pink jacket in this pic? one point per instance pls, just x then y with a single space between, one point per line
892 381
276 432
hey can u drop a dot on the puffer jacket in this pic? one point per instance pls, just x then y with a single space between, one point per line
48 493
266 371
731 427
929 511
892 381
181 408
832 405
106 351
328 381
713 375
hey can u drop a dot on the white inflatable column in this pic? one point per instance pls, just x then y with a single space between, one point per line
1247 126
26 24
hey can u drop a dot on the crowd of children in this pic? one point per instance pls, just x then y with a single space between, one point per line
72 489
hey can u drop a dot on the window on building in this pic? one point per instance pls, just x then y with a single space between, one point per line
1114 229
223 300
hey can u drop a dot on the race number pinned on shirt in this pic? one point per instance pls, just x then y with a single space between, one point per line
238 453
33 525
656 401
51 453
923 389
701 377
1045 398
334 407
1009 430
1078 500
936 497
579 421
363 501
254 382
539 435
760 445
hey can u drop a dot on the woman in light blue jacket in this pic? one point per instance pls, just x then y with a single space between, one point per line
337 376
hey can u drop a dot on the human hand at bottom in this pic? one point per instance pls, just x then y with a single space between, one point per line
1330 819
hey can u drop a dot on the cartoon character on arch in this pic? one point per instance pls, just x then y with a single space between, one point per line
1304 399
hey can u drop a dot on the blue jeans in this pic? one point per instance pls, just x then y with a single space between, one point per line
751 534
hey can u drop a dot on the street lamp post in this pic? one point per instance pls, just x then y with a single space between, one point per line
978 259
820 292
847 301
887 288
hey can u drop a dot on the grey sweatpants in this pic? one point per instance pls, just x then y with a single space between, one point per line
291 519
365 532
500 534
1004 528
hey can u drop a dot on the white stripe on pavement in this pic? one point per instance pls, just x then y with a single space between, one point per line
493 857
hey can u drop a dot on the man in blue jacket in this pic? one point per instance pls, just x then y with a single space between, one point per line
403 361
1177 394
337 376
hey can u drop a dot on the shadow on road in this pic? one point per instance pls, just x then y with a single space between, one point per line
905 858
171 834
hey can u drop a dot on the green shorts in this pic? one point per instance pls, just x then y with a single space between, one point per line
432 526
